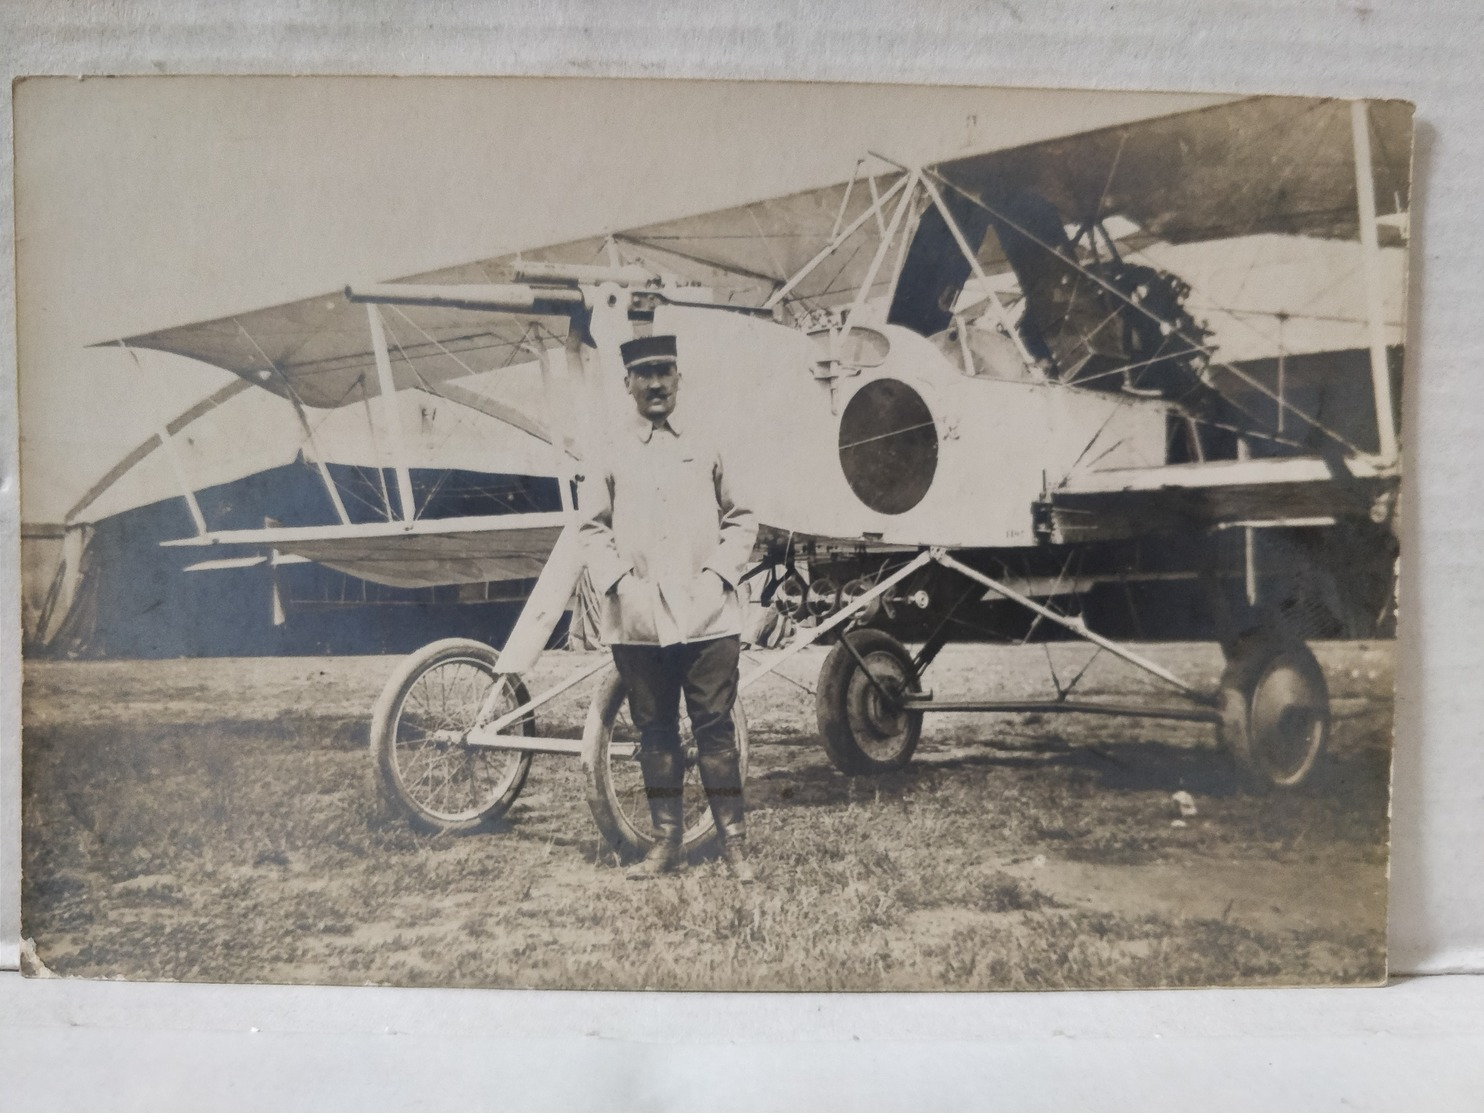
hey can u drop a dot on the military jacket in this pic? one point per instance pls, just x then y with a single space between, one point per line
658 506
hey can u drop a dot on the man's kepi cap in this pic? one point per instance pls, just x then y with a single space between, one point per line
656 350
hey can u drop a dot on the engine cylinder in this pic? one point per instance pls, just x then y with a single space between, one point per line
824 596
853 591
790 597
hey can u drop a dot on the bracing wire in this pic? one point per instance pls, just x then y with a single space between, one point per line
1112 290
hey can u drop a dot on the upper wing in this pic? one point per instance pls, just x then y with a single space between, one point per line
319 349
1260 165
1264 164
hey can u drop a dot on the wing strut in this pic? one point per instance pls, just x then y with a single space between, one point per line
835 242
320 465
963 246
853 317
389 413
1365 195
293 395
558 438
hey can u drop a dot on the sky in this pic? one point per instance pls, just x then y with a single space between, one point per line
149 202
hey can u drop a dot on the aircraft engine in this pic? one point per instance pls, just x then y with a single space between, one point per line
884 608
824 595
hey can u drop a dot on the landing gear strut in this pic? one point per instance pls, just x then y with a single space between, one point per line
1271 708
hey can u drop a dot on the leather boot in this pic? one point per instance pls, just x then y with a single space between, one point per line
664 778
721 776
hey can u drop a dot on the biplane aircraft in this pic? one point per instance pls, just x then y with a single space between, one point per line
973 403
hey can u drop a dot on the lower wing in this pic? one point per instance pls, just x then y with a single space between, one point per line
1261 492
433 552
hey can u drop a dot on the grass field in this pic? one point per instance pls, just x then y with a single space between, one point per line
216 820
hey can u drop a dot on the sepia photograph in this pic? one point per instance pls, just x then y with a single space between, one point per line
700 535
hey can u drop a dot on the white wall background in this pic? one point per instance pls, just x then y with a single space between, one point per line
1414 1045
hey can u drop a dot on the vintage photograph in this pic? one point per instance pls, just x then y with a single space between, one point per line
654 534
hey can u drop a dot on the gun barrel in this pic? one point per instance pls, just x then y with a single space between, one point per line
629 275
510 298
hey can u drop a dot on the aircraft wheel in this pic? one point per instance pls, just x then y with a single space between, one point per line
615 785
1275 711
863 733
424 770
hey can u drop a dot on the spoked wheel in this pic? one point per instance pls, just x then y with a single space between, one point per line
423 763
1275 711
865 732
615 785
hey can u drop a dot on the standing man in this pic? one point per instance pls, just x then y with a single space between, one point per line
666 541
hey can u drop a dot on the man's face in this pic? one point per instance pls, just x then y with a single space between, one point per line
654 387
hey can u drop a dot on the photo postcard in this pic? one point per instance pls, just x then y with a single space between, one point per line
684 535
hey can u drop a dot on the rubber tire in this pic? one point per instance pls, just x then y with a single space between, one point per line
835 693
631 837
1251 663
387 715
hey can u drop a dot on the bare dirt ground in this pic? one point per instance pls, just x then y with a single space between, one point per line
216 820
